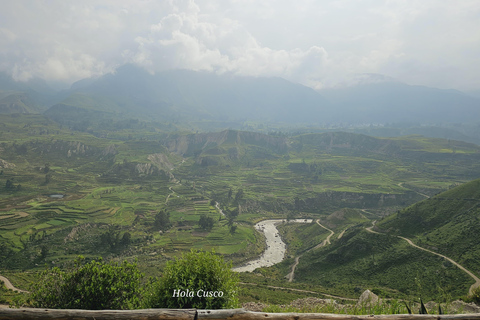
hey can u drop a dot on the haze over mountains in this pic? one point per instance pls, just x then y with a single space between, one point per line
132 92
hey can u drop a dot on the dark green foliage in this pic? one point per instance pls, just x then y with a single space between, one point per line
162 220
9 184
475 296
206 223
196 270
113 239
94 286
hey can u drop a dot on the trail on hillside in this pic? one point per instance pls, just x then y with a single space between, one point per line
300 290
9 285
291 275
422 194
473 286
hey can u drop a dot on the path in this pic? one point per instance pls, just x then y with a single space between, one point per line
9 285
473 286
301 290
422 194
291 275
217 205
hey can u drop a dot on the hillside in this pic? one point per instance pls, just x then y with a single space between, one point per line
17 103
447 223
387 265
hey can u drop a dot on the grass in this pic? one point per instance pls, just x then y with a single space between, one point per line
314 175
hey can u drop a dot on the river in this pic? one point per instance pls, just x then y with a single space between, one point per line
275 251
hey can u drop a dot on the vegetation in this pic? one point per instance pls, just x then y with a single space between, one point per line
94 286
129 189
197 280
446 223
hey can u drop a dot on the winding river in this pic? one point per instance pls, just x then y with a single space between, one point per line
275 251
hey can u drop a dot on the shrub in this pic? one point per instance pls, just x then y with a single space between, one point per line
475 296
94 286
197 280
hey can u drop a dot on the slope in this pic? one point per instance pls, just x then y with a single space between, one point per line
447 223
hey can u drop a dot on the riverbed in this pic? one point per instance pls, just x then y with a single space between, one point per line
275 247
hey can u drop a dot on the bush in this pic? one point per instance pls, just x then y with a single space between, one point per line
199 280
475 296
94 286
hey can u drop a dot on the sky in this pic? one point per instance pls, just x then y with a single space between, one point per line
321 44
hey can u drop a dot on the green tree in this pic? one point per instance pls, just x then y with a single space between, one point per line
239 195
9 184
162 221
93 286
188 282
206 223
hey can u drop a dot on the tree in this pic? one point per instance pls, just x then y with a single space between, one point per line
198 279
206 223
93 286
239 195
9 184
162 220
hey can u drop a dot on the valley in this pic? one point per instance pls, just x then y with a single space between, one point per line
148 196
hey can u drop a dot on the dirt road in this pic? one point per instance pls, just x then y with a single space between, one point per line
9 285
474 277
291 275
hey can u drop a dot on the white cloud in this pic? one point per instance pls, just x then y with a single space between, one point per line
316 43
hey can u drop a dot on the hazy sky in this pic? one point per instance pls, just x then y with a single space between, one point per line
319 43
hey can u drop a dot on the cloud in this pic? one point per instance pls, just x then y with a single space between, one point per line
317 43
193 41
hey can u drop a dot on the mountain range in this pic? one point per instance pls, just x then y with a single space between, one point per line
183 95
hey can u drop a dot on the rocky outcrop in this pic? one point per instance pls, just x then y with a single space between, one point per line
368 299
160 160
6 165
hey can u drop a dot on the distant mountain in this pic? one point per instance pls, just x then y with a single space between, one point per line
181 96
38 93
201 95
387 101
17 103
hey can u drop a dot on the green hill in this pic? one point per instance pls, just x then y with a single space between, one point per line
447 223
382 263
17 103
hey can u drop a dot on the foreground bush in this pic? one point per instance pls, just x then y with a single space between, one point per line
475 296
94 286
198 280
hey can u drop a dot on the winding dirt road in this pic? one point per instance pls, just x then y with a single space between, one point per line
474 277
9 285
291 275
